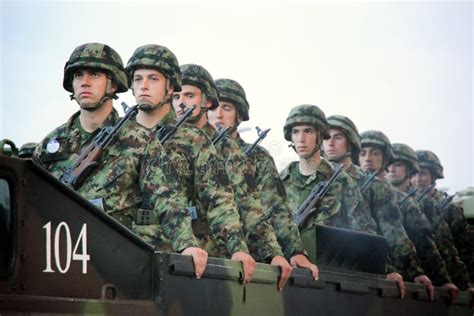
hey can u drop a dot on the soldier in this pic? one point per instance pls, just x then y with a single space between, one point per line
404 165
344 146
134 174
155 75
198 87
232 110
343 206
375 155
422 179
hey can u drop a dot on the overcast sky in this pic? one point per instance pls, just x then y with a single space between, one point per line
401 67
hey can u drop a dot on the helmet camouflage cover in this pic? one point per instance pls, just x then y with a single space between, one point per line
198 76
156 57
231 91
379 139
306 114
428 159
349 129
27 150
407 155
96 56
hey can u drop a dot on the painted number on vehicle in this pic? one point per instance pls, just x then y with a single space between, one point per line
62 233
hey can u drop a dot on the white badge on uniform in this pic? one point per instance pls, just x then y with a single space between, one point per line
52 146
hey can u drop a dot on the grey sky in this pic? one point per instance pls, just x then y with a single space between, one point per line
401 67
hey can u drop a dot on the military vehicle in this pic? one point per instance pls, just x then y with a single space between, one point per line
59 254
465 199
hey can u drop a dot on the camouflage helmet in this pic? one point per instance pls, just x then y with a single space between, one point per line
231 91
198 76
428 159
98 56
379 139
407 155
348 127
306 114
157 57
27 150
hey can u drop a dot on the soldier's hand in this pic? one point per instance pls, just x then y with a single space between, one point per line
396 277
453 291
199 258
423 279
285 270
248 263
300 261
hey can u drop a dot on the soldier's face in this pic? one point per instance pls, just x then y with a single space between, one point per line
89 87
397 172
305 139
422 179
189 96
371 159
149 87
225 114
336 146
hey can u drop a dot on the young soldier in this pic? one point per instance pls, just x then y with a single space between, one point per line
343 146
199 88
404 165
375 155
155 75
232 110
463 234
456 268
343 206
128 179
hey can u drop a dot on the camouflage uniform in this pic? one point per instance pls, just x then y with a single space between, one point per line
343 206
206 186
461 231
382 206
259 235
268 182
454 215
417 225
456 268
127 178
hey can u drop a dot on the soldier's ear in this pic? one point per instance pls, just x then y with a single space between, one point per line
208 103
171 90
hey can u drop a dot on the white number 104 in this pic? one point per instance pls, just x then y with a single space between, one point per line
62 231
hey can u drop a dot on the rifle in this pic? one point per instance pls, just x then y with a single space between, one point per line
409 194
165 133
446 201
88 161
367 182
425 191
221 132
319 191
261 135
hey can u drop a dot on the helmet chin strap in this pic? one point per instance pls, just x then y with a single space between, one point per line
166 99
107 95
204 109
